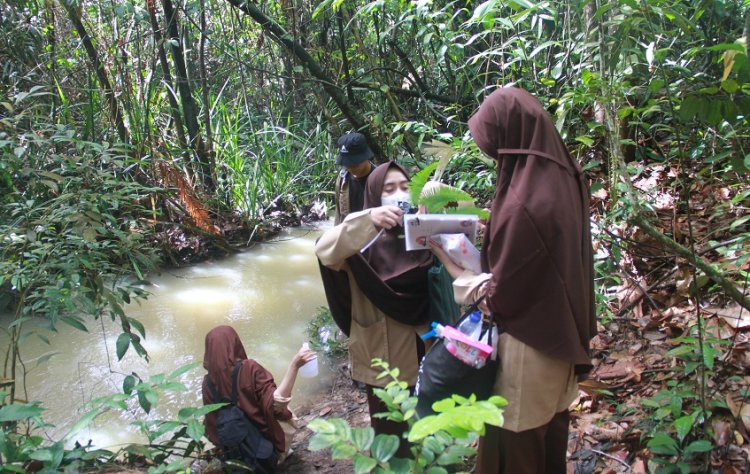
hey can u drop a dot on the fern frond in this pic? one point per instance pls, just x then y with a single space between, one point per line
443 198
419 180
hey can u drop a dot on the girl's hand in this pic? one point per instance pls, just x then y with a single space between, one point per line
386 217
437 249
454 270
483 307
303 356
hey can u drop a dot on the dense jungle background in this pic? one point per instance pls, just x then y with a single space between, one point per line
141 134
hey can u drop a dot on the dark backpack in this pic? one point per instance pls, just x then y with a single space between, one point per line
240 439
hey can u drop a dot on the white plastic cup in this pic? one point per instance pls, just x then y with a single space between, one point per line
310 369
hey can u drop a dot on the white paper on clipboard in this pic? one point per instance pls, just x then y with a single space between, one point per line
418 227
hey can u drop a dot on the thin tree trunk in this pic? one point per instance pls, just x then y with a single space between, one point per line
52 61
204 82
173 103
189 109
344 56
101 73
710 270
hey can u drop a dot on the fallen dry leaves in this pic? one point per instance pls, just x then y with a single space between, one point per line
653 312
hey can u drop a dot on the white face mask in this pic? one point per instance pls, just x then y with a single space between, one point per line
395 198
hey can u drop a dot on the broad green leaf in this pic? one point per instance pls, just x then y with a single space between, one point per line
322 441
128 384
384 447
320 425
198 412
182 369
44 455
689 107
362 438
195 430
433 445
75 322
700 446
663 444
17 412
123 342
342 428
683 425
363 464
398 466
437 470
343 451
144 401
81 424
162 428
185 413
730 86
139 327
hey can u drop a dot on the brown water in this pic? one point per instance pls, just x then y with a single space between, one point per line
267 293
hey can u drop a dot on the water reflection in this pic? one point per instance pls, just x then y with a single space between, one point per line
267 293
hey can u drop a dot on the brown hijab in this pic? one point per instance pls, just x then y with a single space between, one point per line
255 385
537 244
392 278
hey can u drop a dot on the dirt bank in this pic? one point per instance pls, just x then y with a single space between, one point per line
343 400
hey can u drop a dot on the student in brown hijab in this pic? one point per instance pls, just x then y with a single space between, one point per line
263 402
387 304
538 282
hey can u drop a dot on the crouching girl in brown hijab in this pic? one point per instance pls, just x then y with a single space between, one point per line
258 397
538 282
382 300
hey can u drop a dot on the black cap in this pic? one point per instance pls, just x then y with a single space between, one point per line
353 149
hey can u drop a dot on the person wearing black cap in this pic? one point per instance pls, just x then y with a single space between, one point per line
354 156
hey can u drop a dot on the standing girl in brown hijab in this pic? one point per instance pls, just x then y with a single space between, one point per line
538 282
384 303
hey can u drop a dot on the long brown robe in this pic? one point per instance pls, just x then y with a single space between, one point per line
255 386
538 254
538 240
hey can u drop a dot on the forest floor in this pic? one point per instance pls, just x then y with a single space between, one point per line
606 428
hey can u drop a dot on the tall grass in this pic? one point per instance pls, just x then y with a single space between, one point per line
267 163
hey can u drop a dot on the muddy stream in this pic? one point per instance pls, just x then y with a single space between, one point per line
268 293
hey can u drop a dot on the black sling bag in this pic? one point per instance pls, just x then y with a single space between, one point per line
243 444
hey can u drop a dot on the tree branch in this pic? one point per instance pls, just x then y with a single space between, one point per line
714 274
303 57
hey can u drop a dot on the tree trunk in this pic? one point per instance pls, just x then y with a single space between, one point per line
173 103
189 108
101 73
204 84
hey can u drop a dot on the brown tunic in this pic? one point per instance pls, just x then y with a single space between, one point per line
373 333
381 298
537 244
255 386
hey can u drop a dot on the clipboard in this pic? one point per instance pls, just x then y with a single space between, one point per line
419 227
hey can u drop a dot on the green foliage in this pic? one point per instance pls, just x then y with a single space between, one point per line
274 167
72 227
674 415
171 442
438 441
324 335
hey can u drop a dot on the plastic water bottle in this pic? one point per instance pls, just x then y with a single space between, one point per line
472 326
310 369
